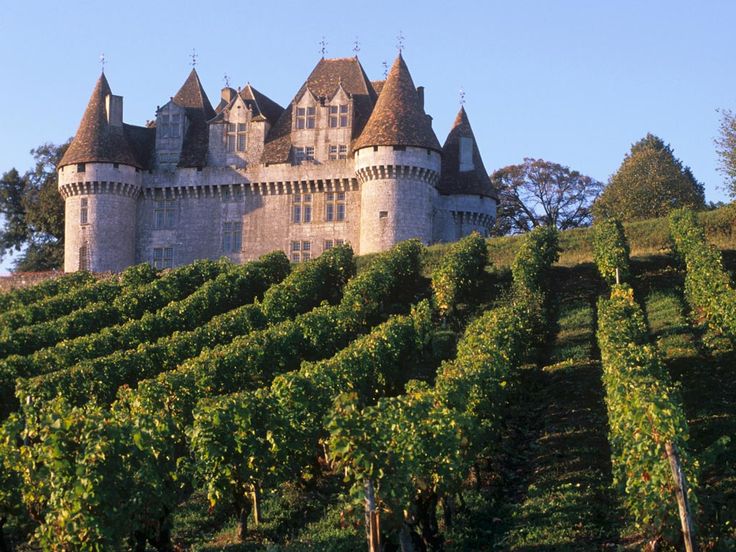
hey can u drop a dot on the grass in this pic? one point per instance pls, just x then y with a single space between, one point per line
560 498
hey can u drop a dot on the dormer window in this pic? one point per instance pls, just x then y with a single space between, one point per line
164 126
339 115
303 154
175 125
305 117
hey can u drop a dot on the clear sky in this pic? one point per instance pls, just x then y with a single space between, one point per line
574 82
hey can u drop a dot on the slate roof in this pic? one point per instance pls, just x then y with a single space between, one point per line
378 86
192 97
398 118
452 181
323 82
96 140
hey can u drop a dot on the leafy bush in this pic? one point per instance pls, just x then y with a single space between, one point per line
644 413
611 250
459 272
708 286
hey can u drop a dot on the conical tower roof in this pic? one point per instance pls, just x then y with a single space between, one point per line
96 140
473 180
192 97
398 119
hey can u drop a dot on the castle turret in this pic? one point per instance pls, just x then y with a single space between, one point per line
397 161
100 181
467 200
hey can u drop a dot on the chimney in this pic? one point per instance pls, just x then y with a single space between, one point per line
420 93
114 109
228 94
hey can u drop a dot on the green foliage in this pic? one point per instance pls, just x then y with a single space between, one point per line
458 275
59 304
45 290
726 149
650 183
34 212
644 414
133 303
537 252
611 250
708 287
116 361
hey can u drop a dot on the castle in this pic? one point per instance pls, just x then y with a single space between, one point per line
348 160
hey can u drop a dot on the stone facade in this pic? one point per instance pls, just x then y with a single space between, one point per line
249 177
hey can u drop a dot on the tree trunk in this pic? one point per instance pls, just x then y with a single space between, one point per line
405 541
256 495
427 521
372 531
243 520
681 494
448 510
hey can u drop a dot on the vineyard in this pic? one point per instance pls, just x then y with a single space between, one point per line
552 391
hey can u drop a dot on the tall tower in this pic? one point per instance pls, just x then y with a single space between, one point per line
100 181
398 162
467 201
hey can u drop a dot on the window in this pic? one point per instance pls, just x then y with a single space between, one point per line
174 128
164 126
305 117
236 137
303 154
83 206
334 206
329 244
339 115
163 257
164 214
382 214
338 152
300 251
84 257
116 165
302 208
81 167
232 237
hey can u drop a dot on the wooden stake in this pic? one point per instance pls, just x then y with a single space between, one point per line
686 522
617 277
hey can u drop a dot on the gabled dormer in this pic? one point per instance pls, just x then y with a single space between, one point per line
171 125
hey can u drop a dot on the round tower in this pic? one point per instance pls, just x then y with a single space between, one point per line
100 181
398 164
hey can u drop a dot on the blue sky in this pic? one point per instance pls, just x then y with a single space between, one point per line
574 82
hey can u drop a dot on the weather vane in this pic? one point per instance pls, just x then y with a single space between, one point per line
356 46
385 68
227 81
194 57
462 96
323 46
102 61
400 42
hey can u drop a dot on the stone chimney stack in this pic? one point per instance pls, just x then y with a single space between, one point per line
114 109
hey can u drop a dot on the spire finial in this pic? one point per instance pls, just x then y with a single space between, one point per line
385 69
323 46
462 97
194 57
356 46
400 42
227 81
102 61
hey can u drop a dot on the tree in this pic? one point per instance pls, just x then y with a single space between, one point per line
33 212
539 193
650 182
726 148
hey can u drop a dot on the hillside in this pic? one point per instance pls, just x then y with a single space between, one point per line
209 413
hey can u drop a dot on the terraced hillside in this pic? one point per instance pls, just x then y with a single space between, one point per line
485 395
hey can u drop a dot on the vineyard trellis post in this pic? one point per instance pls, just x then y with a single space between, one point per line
372 523
681 494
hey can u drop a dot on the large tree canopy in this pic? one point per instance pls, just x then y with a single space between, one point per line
539 193
33 212
726 148
650 182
